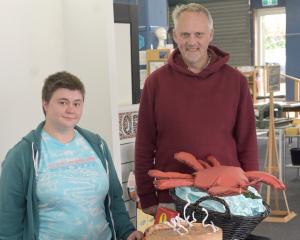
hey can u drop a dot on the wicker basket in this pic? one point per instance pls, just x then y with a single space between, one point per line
234 227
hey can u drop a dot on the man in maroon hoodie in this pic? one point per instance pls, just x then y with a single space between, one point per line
195 103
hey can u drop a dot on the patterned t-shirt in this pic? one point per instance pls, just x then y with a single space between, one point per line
71 187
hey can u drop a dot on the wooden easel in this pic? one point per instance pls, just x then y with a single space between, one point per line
271 166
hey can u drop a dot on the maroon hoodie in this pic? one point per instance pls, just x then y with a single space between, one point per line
210 112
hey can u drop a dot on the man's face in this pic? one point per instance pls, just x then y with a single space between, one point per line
193 35
64 109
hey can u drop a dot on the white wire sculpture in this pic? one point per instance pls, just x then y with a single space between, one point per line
176 223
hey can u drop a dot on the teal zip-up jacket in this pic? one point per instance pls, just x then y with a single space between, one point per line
19 217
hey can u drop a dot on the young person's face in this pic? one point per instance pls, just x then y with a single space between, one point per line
64 109
193 35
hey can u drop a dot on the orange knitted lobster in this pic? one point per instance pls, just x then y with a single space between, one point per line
211 176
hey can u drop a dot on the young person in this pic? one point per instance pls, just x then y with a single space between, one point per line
59 182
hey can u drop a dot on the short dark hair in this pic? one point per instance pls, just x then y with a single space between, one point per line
61 80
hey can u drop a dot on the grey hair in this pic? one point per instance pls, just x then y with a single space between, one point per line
192 7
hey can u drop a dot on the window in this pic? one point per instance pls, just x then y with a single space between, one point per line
270 31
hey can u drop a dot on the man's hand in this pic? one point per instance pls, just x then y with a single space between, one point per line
136 235
150 210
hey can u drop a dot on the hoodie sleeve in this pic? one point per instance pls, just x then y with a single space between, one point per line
121 220
245 130
145 145
12 196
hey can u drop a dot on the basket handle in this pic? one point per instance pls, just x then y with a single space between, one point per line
222 201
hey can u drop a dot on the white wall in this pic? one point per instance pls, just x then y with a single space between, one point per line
31 47
123 61
40 37
90 53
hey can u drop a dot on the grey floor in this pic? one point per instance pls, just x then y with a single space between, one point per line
291 229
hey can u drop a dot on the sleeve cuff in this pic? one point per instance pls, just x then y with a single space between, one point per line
148 200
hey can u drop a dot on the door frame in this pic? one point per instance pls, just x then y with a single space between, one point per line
258 54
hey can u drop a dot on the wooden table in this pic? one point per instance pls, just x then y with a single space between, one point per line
287 106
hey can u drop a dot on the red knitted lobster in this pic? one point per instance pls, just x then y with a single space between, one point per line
211 176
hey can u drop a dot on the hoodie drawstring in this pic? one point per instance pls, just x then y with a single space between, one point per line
35 158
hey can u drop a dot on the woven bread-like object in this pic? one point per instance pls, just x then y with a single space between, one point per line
196 232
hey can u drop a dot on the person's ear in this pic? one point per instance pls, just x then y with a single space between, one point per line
45 106
174 34
211 37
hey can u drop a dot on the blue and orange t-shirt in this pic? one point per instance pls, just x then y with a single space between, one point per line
71 187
